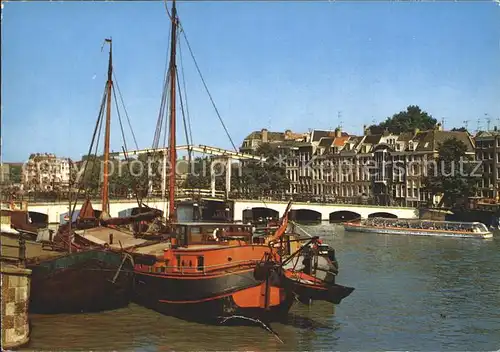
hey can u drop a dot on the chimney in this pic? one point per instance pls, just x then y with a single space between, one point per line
264 135
366 130
338 132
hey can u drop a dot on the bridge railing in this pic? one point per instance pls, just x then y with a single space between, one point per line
207 193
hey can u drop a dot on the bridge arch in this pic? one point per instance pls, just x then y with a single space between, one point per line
256 213
305 215
383 214
344 215
38 219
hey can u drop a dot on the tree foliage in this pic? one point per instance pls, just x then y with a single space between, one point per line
263 178
405 121
125 176
249 179
452 173
460 129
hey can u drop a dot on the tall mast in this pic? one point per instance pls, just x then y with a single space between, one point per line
172 216
105 182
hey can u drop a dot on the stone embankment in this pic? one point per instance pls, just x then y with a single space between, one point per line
15 302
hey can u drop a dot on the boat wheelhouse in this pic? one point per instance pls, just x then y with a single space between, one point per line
421 228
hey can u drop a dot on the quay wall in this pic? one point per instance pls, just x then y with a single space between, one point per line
15 301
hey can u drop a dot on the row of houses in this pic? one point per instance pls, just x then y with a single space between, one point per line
337 166
386 168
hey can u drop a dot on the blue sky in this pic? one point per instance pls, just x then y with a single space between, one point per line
278 65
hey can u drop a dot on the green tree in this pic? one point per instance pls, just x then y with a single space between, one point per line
89 178
199 175
405 121
16 173
257 179
451 174
461 129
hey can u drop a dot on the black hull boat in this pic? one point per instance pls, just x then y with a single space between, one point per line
89 281
308 289
214 297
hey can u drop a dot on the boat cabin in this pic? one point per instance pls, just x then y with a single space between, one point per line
202 247
204 233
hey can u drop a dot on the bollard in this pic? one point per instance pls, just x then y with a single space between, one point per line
22 250
111 238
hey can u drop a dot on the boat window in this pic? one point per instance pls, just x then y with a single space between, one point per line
201 263
181 236
195 236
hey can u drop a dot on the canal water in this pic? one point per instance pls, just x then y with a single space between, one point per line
412 293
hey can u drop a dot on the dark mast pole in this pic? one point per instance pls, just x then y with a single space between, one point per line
172 216
105 183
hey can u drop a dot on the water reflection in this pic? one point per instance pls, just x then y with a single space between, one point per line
412 293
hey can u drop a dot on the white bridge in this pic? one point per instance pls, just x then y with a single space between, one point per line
246 209
227 157
241 210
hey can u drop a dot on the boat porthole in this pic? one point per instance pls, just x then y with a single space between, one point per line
229 259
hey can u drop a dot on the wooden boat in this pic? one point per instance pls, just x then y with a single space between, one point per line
206 272
79 278
86 281
16 221
309 288
417 227
212 270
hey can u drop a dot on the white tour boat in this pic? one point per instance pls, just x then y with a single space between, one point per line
418 227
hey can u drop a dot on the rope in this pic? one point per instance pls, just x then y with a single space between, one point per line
187 106
206 87
96 129
125 110
166 79
120 120
183 117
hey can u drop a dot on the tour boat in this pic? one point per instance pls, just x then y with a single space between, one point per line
416 227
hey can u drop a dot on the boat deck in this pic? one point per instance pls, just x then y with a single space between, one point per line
201 246
156 249
33 249
100 236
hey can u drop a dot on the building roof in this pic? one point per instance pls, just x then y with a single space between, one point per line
341 141
372 139
406 136
318 134
487 134
326 141
430 140
271 136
